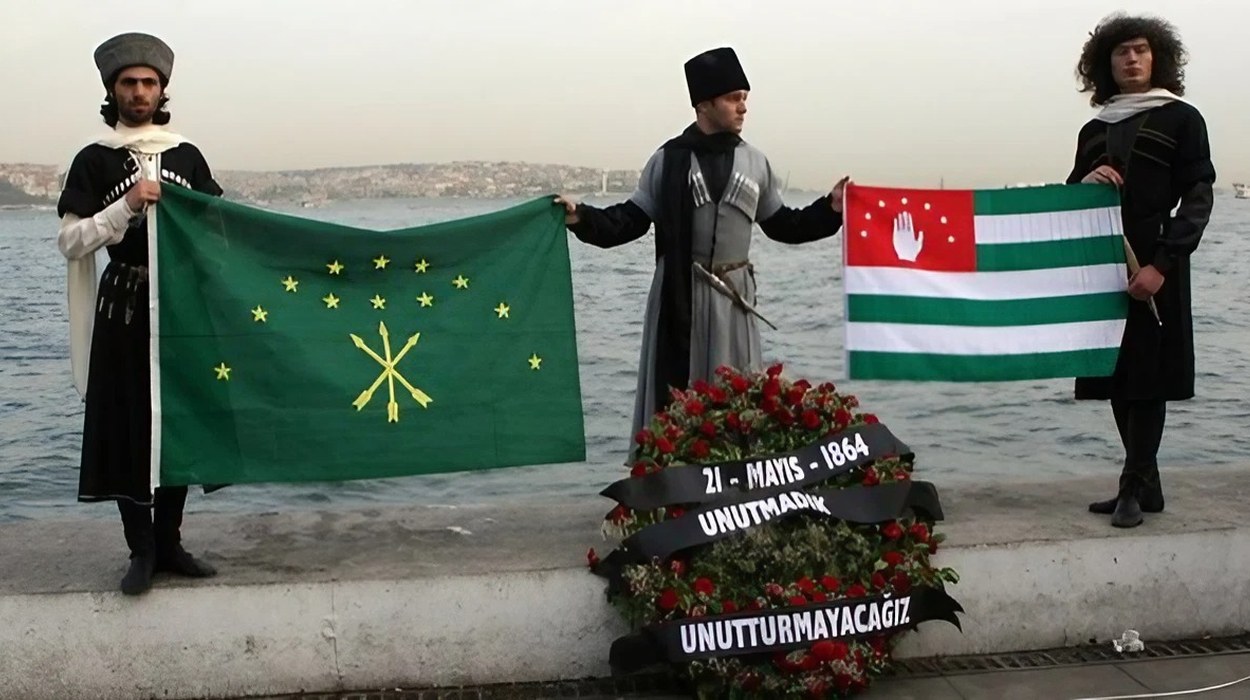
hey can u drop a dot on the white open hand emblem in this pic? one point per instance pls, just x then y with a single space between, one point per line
907 242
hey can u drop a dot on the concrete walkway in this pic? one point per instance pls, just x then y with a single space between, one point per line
422 597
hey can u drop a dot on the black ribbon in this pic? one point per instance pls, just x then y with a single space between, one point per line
818 462
858 504
781 629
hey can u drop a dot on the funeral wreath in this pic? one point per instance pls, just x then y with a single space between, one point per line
773 543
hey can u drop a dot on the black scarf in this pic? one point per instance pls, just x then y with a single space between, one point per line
673 241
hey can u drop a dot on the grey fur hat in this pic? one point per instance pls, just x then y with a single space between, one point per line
133 49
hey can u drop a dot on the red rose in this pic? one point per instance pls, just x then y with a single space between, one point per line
770 405
703 586
823 650
842 418
797 600
678 567
717 395
739 384
664 446
892 557
772 388
728 606
878 580
774 371
870 419
732 420
870 477
795 395
708 428
805 585
819 597
618 514
829 650
901 581
644 437
592 559
672 432
919 532
699 386
700 449
668 599
830 584
773 590
755 605
892 531
902 476
811 419
843 681
639 469
826 388
674 512
784 417
856 591
663 417
809 662
694 407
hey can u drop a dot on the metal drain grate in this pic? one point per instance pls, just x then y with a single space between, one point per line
1067 656
648 685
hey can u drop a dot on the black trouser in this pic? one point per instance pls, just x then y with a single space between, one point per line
154 530
1141 429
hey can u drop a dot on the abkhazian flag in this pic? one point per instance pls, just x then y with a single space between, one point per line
984 285
286 349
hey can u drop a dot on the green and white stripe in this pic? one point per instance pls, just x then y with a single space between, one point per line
1047 300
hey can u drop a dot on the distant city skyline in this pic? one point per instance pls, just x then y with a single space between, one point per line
903 92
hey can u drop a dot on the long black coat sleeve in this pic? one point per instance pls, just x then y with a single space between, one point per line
1193 177
811 223
611 226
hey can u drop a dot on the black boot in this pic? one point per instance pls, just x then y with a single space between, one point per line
1127 512
137 525
138 578
167 522
1150 503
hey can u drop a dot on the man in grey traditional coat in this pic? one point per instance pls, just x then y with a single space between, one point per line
704 190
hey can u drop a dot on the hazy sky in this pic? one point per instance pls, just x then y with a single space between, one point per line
890 91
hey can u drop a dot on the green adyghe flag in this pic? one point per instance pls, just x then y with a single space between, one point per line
286 349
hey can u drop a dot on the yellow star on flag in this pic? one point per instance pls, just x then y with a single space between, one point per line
259 314
461 282
378 302
335 267
422 266
426 299
223 372
290 283
332 302
535 361
502 310
379 263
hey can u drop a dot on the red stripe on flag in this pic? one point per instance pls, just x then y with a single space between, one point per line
921 229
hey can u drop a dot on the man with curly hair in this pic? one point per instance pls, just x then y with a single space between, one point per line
1152 144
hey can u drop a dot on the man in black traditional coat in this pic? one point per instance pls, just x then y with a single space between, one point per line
1151 144
103 204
